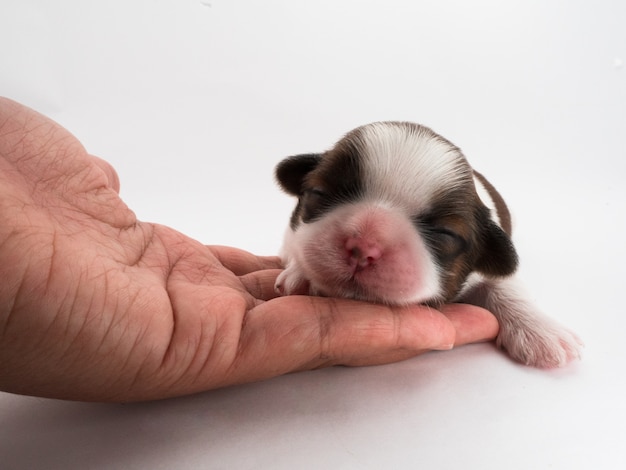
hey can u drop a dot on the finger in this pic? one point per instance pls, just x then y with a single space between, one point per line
109 171
472 324
260 284
300 332
241 262
375 334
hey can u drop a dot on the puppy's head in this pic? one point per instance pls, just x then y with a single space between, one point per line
390 214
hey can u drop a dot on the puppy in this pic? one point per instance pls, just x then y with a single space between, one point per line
394 214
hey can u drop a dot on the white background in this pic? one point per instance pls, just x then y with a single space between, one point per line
195 101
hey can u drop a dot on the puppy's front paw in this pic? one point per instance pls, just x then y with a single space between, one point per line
539 343
291 282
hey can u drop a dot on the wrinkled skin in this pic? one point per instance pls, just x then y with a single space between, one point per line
96 305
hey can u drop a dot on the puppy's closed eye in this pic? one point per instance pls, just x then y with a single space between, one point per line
446 243
314 203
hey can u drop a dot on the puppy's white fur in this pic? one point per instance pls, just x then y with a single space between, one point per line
526 333
408 168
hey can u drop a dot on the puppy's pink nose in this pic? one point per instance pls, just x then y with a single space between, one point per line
361 253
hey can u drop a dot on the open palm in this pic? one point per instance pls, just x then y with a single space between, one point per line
96 305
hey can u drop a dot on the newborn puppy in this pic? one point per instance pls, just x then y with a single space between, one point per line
394 214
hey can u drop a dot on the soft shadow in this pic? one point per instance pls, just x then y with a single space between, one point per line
195 430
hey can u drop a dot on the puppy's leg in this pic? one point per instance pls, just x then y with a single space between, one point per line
291 281
525 333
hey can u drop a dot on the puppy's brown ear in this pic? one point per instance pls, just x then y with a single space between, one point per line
290 173
498 256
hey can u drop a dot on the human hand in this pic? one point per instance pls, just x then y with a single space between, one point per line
96 305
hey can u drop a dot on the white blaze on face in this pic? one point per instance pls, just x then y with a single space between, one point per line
408 166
